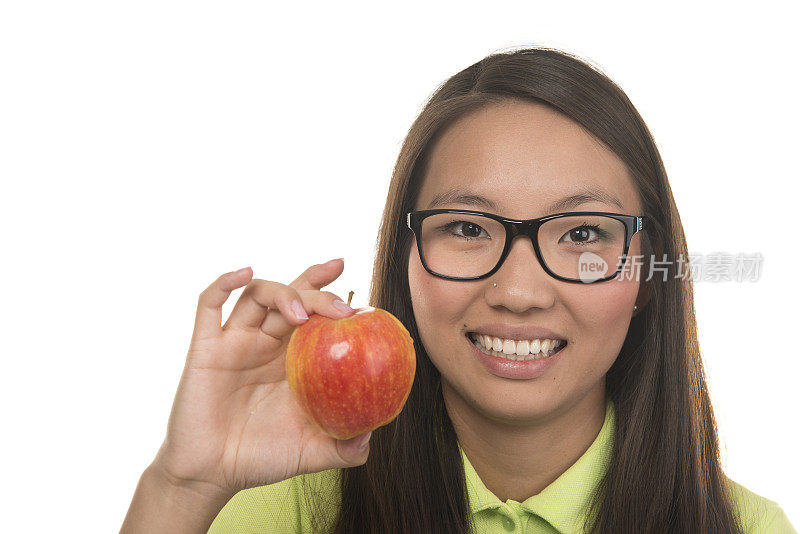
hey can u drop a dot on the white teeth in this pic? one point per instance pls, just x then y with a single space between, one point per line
497 344
516 350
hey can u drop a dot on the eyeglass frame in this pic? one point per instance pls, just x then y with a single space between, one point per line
530 228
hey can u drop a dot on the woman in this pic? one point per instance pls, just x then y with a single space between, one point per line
606 427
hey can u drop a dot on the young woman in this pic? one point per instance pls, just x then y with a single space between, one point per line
557 388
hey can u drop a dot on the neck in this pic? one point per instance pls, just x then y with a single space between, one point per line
550 444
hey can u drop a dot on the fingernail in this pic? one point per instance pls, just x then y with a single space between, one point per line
363 441
243 269
342 306
298 310
333 260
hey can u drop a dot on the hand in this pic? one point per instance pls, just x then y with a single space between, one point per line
235 423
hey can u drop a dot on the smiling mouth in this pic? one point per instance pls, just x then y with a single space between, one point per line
534 349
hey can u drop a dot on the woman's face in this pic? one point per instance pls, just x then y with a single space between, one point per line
523 157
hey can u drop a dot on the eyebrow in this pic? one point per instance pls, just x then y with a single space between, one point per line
461 196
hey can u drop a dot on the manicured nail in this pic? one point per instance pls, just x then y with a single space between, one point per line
333 260
243 269
363 441
342 306
298 310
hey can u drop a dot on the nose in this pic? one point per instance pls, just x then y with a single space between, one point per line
522 282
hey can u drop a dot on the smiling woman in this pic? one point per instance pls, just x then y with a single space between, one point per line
556 390
543 401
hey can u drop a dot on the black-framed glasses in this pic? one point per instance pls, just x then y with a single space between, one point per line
576 246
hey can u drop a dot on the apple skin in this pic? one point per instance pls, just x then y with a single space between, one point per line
354 374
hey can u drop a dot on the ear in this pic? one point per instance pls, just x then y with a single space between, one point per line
643 297
645 291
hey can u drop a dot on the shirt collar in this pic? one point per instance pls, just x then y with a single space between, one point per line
564 503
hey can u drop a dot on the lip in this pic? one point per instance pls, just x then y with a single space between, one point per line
523 370
506 331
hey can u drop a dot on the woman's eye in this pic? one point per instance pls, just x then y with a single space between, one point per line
468 229
581 234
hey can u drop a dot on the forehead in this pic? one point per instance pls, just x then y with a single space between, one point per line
525 156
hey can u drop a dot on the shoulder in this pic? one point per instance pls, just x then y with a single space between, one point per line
758 514
284 507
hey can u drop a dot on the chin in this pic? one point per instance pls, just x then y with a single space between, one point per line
510 402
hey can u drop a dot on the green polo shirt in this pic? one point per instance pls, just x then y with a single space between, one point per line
560 508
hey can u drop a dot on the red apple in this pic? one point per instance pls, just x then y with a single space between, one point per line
354 374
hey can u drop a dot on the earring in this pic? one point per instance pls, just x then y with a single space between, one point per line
635 307
494 285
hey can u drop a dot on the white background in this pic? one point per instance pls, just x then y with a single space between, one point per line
148 147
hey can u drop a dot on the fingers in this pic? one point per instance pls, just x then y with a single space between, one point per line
353 451
209 305
258 297
337 453
250 313
319 276
287 307
324 303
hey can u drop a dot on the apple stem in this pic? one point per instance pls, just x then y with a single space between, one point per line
349 298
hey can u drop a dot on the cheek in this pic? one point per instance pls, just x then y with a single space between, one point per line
600 317
608 305
438 305
433 299
601 314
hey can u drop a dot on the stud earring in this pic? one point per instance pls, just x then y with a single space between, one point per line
635 307
494 285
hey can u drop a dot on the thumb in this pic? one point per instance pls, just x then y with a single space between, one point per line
354 450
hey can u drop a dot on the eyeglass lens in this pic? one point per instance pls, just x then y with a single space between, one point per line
578 247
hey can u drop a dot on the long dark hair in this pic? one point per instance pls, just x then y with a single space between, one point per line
665 473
